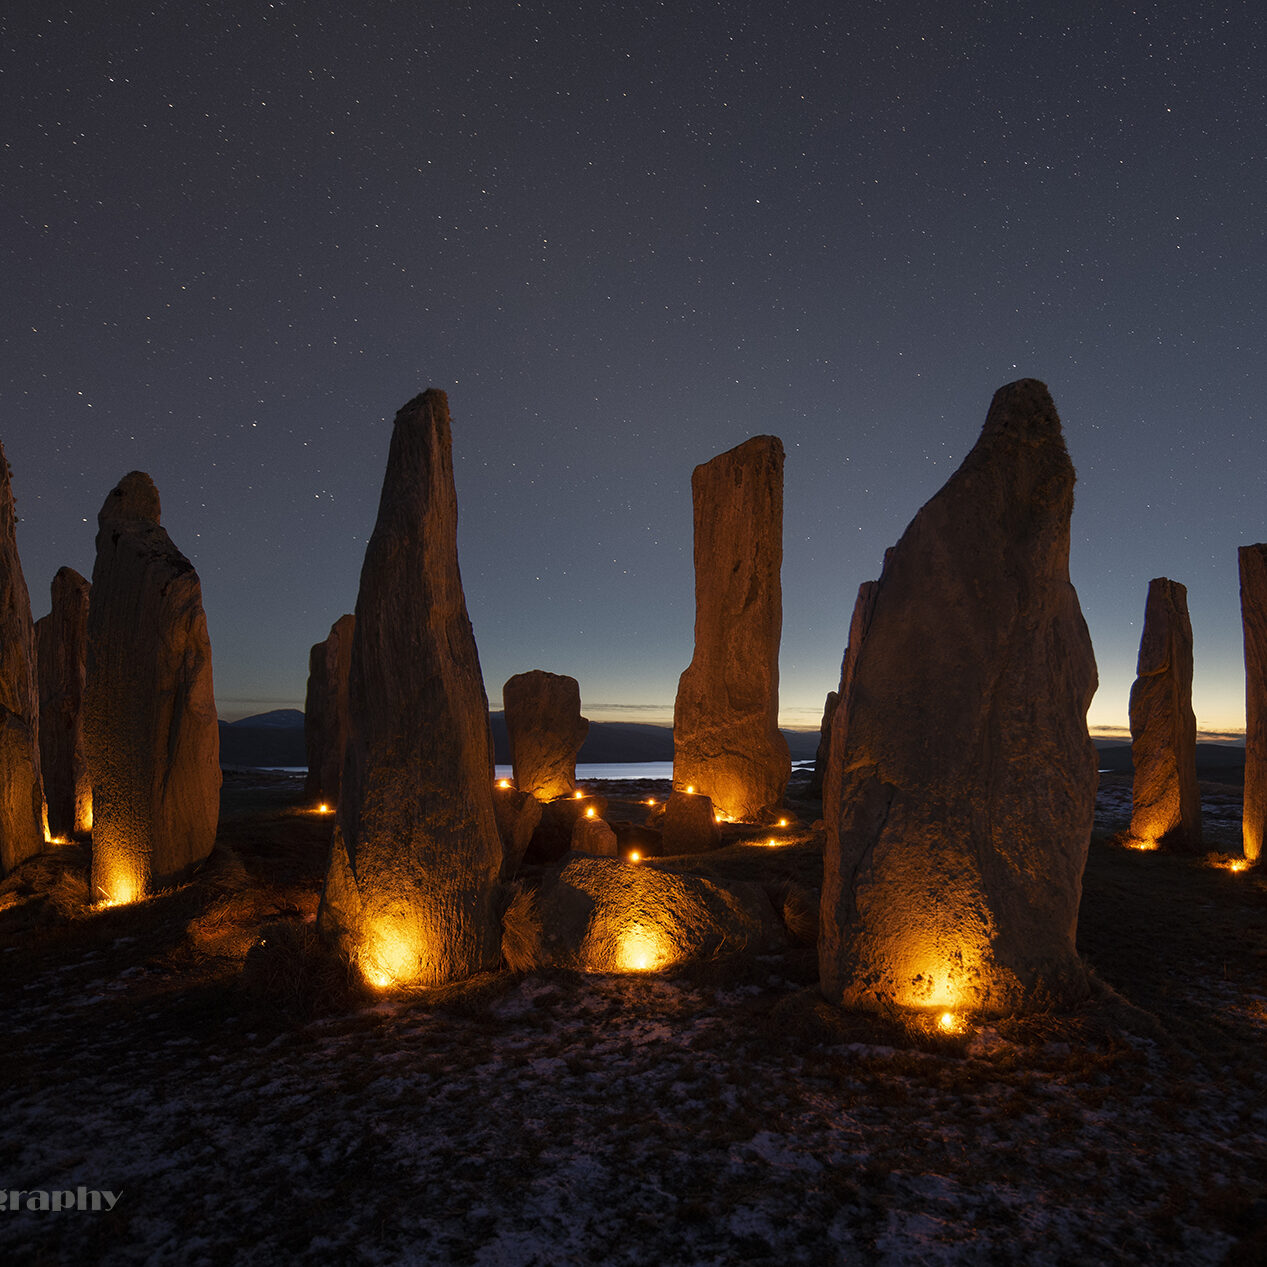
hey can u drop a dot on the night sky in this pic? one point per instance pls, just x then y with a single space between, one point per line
624 237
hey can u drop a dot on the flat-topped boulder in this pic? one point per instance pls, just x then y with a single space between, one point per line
726 739
150 730
21 789
960 806
1166 801
688 824
62 642
545 730
415 855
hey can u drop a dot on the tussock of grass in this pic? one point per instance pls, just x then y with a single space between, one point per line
521 931
290 972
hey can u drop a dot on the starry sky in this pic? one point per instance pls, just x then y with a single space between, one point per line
625 237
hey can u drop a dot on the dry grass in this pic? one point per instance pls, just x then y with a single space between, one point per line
206 1052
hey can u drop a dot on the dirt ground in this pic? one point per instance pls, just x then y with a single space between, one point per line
718 1112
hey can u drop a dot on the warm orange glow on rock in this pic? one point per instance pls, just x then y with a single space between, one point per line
949 1023
1142 846
121 884
323 808
642 948
589 813
782 822
83 812
503 782
390 957
691 790
650 800
578 795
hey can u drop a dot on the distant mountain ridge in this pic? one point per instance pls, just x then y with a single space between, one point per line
277 739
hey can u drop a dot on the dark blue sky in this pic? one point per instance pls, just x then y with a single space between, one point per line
625 237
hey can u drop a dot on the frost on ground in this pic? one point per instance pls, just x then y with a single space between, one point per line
719 1113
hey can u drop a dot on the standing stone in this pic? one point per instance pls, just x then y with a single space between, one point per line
21 791
824 743
62 642
546 731
858 622
1253 568
726 740
415 854
1166 799
518 816
326 711
150 730
961 805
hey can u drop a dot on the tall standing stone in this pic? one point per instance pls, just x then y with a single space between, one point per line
150 729
824 743
62 642
1166 800
961 807
546 730
863 606
1253 569
21 791
726 740
326 711
415 855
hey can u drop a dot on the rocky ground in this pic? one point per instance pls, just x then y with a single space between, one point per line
715 1113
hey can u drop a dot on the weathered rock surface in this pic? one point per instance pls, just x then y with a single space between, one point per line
824 743
546 731
1166 806
593 836
326 711
1253 569
863 606
21 790
601 915
415 855
518 815
726 740
960 815
150 729
688 824
62 642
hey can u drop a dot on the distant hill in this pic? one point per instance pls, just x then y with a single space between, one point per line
279 718
277 738
1216 762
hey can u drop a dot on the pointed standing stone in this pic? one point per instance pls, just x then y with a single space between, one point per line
415 855
1166 799
326 711
21 791
824 743
726 740
1253 569
62 639
863 606
150 729
546 730
962 805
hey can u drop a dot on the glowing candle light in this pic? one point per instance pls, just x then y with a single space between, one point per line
635 856
503 782
590 812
